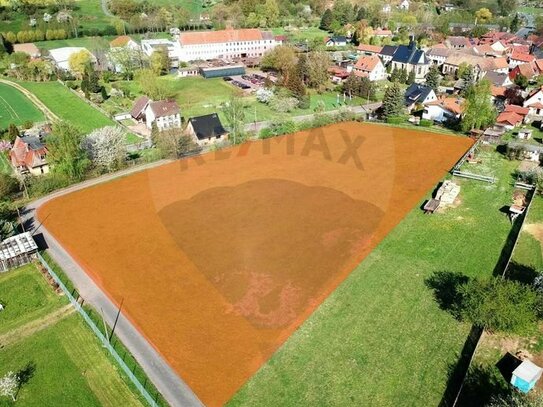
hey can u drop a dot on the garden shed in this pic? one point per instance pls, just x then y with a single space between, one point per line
525 376
16 251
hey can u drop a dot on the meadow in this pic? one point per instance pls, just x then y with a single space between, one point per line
16 108
43 336
381 339
68 106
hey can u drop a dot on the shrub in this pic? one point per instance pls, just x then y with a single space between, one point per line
43 185
8 186
425 123
395 120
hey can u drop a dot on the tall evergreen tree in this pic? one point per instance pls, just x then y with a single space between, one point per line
393 103
433 78
326 20
411 77
402 75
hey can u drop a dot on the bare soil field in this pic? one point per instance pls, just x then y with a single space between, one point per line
220 258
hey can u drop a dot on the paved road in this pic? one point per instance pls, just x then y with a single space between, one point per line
354 109
173 388
105 10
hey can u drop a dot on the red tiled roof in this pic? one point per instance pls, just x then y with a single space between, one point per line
498 91
221 36
367 63
23 155
382 32
452 104
369 48
523 111
139 106
511 118
120 41
538 64
28 48
521 56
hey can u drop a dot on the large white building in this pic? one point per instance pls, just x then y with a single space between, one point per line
224 44
150 46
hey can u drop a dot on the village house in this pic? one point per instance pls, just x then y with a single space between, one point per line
534 102
370 67
61 56
526 70
438 54
418 95
410 58
164 113
382 33
512 116
29 155
336 41
442 110
224 44
338 74
458 42
124 41
498 79
28 48
206 130
367 49
171 47
519 58
387 53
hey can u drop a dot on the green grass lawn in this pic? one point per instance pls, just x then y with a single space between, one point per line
68 106
26 296
199 96
16 108
531 10
91 43
71 369
381 339
5 167
298 34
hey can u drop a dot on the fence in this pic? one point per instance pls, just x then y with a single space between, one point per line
476 333
475 177
99 334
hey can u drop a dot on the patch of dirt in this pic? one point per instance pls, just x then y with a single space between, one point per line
536 230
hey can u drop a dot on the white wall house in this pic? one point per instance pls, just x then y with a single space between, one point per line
61 56
174 51
370 67
165 113
224 44
534 102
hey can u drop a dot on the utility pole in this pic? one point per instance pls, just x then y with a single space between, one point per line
116 320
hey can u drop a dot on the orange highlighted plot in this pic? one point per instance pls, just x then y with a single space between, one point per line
220 258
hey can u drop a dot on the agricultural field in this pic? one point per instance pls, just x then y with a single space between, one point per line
220 259
68 106
61 368
16 108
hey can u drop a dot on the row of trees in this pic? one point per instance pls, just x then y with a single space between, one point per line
35 35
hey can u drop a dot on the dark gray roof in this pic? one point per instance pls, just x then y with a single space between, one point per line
416 93
410 54
338 38
207 126
388 50
496 78
32 142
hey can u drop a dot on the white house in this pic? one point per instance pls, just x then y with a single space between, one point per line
443 110
336 41
172 47
224 44
165 113
370 67
417 94
534 102
61 56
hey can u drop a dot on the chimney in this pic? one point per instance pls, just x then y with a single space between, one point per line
412 43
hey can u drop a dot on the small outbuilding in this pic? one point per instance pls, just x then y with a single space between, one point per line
525 376
17 251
